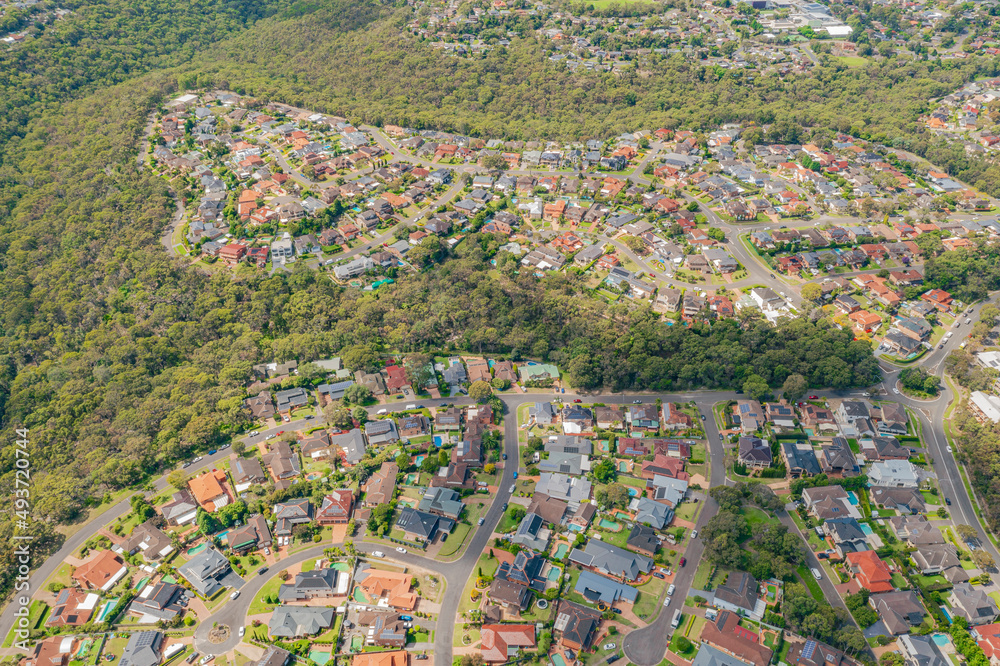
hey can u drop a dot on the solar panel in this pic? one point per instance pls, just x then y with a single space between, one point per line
809 649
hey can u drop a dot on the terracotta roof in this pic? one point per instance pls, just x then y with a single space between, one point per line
497 639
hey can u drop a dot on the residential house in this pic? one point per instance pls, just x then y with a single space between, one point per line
392 587
502 642
381 432
899 611
904 500
576 624
894 474
611 560
601 590
290 513
315 584
972 603
739 595
837 460
870 571
754 452
336 507
829 502
144 648
350 446
208 572
920 651
209 489
420 526
72 608
749 415
298 621
381 486
100 572
726 634
181 509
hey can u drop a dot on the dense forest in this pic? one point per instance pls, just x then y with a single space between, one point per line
120 360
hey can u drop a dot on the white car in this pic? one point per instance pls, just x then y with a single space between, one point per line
378 553
666 602
949 449
512 488
816 573
400 549
243 630
610 646
694 534
254 433
895 390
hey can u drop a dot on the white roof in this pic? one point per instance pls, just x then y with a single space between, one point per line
184 99
89 602
988 404
989 359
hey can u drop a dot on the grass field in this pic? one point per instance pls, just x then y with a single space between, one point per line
807 579
456 540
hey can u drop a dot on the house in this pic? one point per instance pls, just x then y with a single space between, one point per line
739 594
780 414
420 526
288 514
448 420
532 533
381 432
870 571
899 611
941 559
381 486
894 474
148 539
391 658
442 502
570 489
749 415
668 490
643 417
643 539
915 530
837 460
208 572
210 491
712 656
350 445
315 584
883 448
846 535
813 653
260 406
904 500
181 509
144 648
599 589
800 458
939 298
611 560
988 638
726 634
829 502
577 419
608 417
298 621
246 472
316 446
892 419
389 586
817 417
653 513
852 410
973 604
576 624
291 399
920 651
336 507
100 572
72 608
414 425
754 452
54 651
255 534
550 509
156 602
502 642
283 463
674 418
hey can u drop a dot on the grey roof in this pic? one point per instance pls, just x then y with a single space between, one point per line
611 560
442 500
560 486
921 651
973 603
293 621
740 590
800 459
565 463
203 569
424 525
710 656
594 588
532 533
353 445
643 538
307 582
142 649
653 513
569 444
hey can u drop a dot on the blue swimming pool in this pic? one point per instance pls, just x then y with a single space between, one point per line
438 440
557 659
867 529
574 528
632 492
946 613
940 639
852 498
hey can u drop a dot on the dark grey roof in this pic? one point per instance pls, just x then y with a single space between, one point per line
142 649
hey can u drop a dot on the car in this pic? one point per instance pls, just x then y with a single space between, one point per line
225 446
443 405
480 521
285 418
254 433
400 549
411 406
671 589
895 390
511 491
235 595
504 456
816 573
420 657
194 655
281 432
187 463
243 630
941 346
271 436
308 416
947 501
666 602
702 417
110 657
212 452
610 646
262 570
694 534
515 476
814 397
772 276
504 507
578 400
637 402
406 618
613 658
968 321
948 448
657 574
378 553
382 411
683 561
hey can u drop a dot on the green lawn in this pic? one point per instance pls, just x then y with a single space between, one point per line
689 511
649 597
755 516
37 612
807 579
270 589
455 540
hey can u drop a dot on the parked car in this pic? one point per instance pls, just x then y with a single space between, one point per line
378 553
400 549
949 448
504 456
610 646
512 487
225 446
234 595
262 570
637 402
420 657
684 561
504 507
616 611
816 573
657 574
480 521
814 397
694 534
406 618
271 436
243 630
187 463
198 459
212 452
515 476
578 400
947 501
671 590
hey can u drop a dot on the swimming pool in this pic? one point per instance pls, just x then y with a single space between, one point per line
609 524
632 492
553 574
562 550
109 605
867 529
575 528
557 659
623 468
418 460
438 440
197 549
946 613
319 657
940 639
852 498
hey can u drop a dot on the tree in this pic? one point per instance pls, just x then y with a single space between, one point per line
605 471
794 387
983 559
403 462
495 164
177 479
811 291
692 207
967 532
716 234
480 391
756 387
500 384
239 447
357 394
361 357
359 414
490 468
